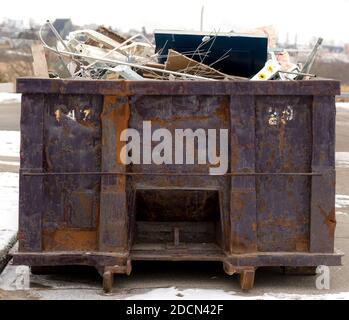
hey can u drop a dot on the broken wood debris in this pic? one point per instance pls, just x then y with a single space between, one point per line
179 62
39 61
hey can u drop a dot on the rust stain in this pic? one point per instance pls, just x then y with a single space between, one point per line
117 110
302 243
239 244
69 240
330 220
222 112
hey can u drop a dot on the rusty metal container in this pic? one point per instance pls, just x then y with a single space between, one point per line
80 205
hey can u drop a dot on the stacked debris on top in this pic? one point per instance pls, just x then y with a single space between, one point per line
176 55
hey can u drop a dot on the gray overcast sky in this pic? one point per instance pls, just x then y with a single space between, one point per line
307 18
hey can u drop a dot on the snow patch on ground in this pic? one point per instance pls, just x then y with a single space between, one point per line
187 294
9 143
208 294
8 201
7 240
6 97
342 201
342 105
342 159
288 296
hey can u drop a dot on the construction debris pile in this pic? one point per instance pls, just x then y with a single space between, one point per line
103 54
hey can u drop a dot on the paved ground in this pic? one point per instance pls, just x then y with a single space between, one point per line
10 116
188 280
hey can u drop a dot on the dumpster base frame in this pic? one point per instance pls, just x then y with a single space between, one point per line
108 264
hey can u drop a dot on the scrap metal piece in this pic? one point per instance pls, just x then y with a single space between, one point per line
97 52
108 33
96 36
140 49
296 73
117 62
311 59
126 42
57 35
126 72
60 65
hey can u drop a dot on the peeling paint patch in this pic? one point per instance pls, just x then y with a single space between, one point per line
277 117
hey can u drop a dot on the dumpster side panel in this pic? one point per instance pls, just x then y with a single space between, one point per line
114 219
72 138
31 190
323 216
283 144
243 188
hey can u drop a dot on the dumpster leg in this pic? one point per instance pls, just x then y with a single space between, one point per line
246 274
109 271
247 278
108 281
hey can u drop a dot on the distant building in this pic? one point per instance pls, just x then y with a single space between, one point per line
332 48
63 26
29 34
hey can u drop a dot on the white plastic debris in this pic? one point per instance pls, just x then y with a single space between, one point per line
270 69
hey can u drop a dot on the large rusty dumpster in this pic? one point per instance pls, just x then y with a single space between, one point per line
80 204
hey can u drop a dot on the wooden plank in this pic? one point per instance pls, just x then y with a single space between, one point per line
31 190
323 216
39 61
113 227
243 216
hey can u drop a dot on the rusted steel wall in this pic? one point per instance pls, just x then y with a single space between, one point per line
281 133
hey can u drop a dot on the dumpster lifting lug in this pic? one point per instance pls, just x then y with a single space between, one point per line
246 274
